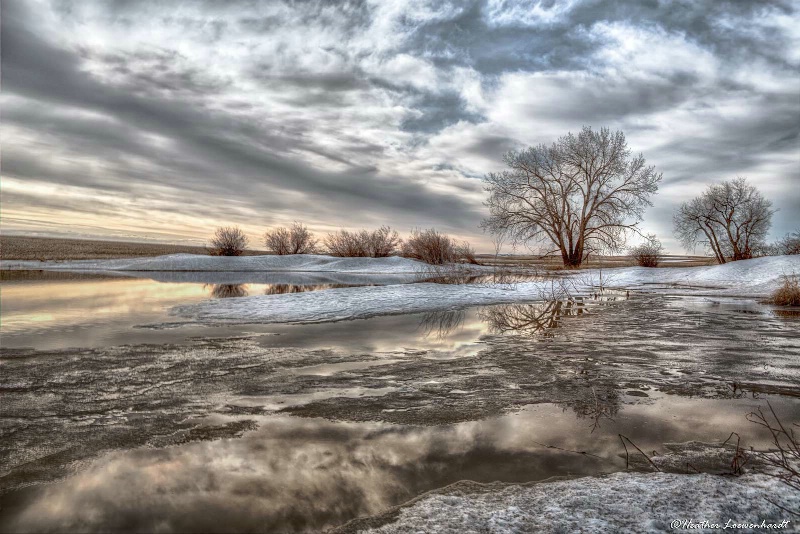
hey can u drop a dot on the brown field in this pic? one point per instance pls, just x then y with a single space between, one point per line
46 248
554 262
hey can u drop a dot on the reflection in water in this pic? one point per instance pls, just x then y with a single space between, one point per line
295 474
47 310
224 291
441 324
281 289
539 318
597 407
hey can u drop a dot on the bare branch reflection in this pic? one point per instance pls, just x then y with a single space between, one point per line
538 318
440 324
282 289
225 291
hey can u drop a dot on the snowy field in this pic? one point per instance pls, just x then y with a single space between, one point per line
622 502
748 278
195 262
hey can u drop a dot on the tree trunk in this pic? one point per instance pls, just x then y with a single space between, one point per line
574 258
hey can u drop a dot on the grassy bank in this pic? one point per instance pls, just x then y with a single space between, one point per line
46 248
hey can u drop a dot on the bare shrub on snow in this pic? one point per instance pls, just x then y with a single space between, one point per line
228 241
296 239
380 243
789 292
649 253
435 248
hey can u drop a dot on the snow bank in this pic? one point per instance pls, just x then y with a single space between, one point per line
755 278
195 262
269 277
622 502
358 302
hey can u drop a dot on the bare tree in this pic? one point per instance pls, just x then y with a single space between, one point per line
296 239
576 195
731 219
379 243
649 253
788 245
228 241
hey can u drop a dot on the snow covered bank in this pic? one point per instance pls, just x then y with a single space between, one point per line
195 262
622 502
357 302
755 278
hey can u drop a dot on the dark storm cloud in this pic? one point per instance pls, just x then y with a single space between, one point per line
392 113
438 111
241 157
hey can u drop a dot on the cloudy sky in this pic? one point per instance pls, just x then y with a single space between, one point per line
163 119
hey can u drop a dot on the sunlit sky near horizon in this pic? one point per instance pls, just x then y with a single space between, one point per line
160 120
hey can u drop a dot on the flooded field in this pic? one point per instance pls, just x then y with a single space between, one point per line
148 423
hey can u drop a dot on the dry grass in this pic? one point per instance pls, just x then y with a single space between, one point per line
789 293
47 248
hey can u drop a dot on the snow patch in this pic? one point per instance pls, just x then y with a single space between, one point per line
195 262
754 278
622 502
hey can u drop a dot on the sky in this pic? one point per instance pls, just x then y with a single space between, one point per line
160 120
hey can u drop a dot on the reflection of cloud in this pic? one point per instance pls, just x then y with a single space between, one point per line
224 291
309 474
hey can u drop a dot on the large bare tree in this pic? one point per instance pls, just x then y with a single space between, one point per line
731 219
580 195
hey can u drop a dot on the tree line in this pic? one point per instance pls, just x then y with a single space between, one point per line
430 246
586 194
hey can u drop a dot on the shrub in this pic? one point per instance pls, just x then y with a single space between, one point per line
296 239
466 253
383 242
347 244
228 241
789 293
649 253
432 247
379 243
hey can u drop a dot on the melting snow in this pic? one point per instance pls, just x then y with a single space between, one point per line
622 502
196 262
753 278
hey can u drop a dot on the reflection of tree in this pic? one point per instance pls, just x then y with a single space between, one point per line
602 404
530 318
441 323
281 289
224 291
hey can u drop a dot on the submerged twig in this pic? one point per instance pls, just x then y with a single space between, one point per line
568 450
627 462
